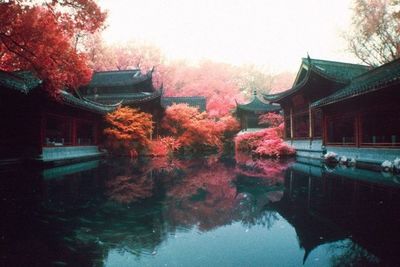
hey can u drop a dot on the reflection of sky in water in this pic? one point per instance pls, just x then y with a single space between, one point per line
229 245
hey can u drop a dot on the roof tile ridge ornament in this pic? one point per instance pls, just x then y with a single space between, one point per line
309 59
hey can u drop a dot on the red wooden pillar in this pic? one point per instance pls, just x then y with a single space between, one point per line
324 128
291 124
310 122
43 122
74 140
357 130
96 133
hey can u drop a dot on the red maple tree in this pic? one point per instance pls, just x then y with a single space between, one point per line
41 37
129 131
195 130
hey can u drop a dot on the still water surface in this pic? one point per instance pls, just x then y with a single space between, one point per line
199 212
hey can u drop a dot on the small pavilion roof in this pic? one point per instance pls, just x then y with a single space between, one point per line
257 105
193 101
338 72
373 80
118 78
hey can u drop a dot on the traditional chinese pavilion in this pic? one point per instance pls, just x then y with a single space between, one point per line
248 113
348 109
126 87
361 120
38 127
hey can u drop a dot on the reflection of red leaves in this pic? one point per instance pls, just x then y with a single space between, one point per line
127 189
158 149
272 170
218 199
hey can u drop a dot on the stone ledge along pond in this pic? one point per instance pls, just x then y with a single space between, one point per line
199 212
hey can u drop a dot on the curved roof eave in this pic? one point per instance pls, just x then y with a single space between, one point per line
257 105
276 98
156 95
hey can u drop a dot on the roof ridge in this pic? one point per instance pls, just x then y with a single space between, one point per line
195 96
335 62
385 65
120 71
14 74
369 81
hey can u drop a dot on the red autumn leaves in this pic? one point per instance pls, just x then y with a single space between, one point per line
41 38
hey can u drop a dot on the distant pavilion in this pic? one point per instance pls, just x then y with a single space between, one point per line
248 113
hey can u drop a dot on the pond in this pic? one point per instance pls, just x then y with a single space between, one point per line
199 212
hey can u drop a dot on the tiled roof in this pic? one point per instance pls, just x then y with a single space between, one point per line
193 101
118 78
128 98
86 104
22 81
145 98
25 82
258 106
378 78
338 72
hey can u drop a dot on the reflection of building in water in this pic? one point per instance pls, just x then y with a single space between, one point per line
75 215
328 205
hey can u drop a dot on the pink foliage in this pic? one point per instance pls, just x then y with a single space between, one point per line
264 143
270 119
195 130
163 146
158 149
215 81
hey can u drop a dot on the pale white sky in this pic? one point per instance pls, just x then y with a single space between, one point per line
274 34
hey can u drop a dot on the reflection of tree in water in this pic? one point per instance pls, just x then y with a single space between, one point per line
272 170
127 189
208 197
134 205
205 197
352 255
